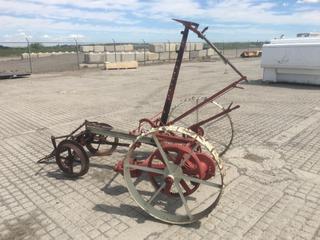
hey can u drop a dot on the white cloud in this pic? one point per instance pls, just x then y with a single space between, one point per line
64 17
308 1
76 36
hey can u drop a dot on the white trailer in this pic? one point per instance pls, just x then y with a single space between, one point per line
292 60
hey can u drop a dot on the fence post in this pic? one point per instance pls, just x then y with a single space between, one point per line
77 49
144 52
29 53
115 50
223 47
169 50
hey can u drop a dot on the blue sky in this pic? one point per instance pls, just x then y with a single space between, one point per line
134 20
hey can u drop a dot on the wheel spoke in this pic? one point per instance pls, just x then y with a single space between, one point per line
98 146
185 186
157 192
187 157
146 169
69 152
163 154
197 180
184 201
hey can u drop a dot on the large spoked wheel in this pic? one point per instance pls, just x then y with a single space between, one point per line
71 158
177 183
220 131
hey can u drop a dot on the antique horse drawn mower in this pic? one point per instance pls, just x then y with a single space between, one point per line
172 172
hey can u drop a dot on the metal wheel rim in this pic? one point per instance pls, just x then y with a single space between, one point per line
77 150
167 217
95 150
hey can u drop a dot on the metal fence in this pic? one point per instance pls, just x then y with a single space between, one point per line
41 57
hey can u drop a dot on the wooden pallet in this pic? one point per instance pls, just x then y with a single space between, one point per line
121 65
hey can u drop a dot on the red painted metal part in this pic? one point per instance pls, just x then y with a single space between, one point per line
193 163
207 100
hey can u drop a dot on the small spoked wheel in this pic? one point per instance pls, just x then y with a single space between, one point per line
100 145
177 183
71 158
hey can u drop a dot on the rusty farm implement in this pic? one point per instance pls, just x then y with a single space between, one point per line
172 172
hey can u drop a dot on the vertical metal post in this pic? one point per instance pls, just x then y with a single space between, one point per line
77 49
115 50
223 47
197 113
29 52
144 52
169 49
174 78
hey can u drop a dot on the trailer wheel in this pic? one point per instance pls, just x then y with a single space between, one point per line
71 158
102 145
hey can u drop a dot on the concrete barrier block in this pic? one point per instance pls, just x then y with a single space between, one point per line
186 55
189 47
112 57
210 52
194 54
45 54
170 47
25 56
140 56
157 47
128 48
152 56
198 46
58 53
86 48
120 48
127 56
109 48
173 55
164 56
86 58
98 48
94 58
202 53
34 55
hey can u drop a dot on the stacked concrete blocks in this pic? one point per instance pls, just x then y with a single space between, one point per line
157 47
107 48
98 48
157 52
128 56
153 56
86 48
164 56
94 58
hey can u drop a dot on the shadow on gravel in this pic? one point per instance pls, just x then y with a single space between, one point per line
126 210
57 174
136 213
302 86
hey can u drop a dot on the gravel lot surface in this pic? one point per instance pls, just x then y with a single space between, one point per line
273 167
